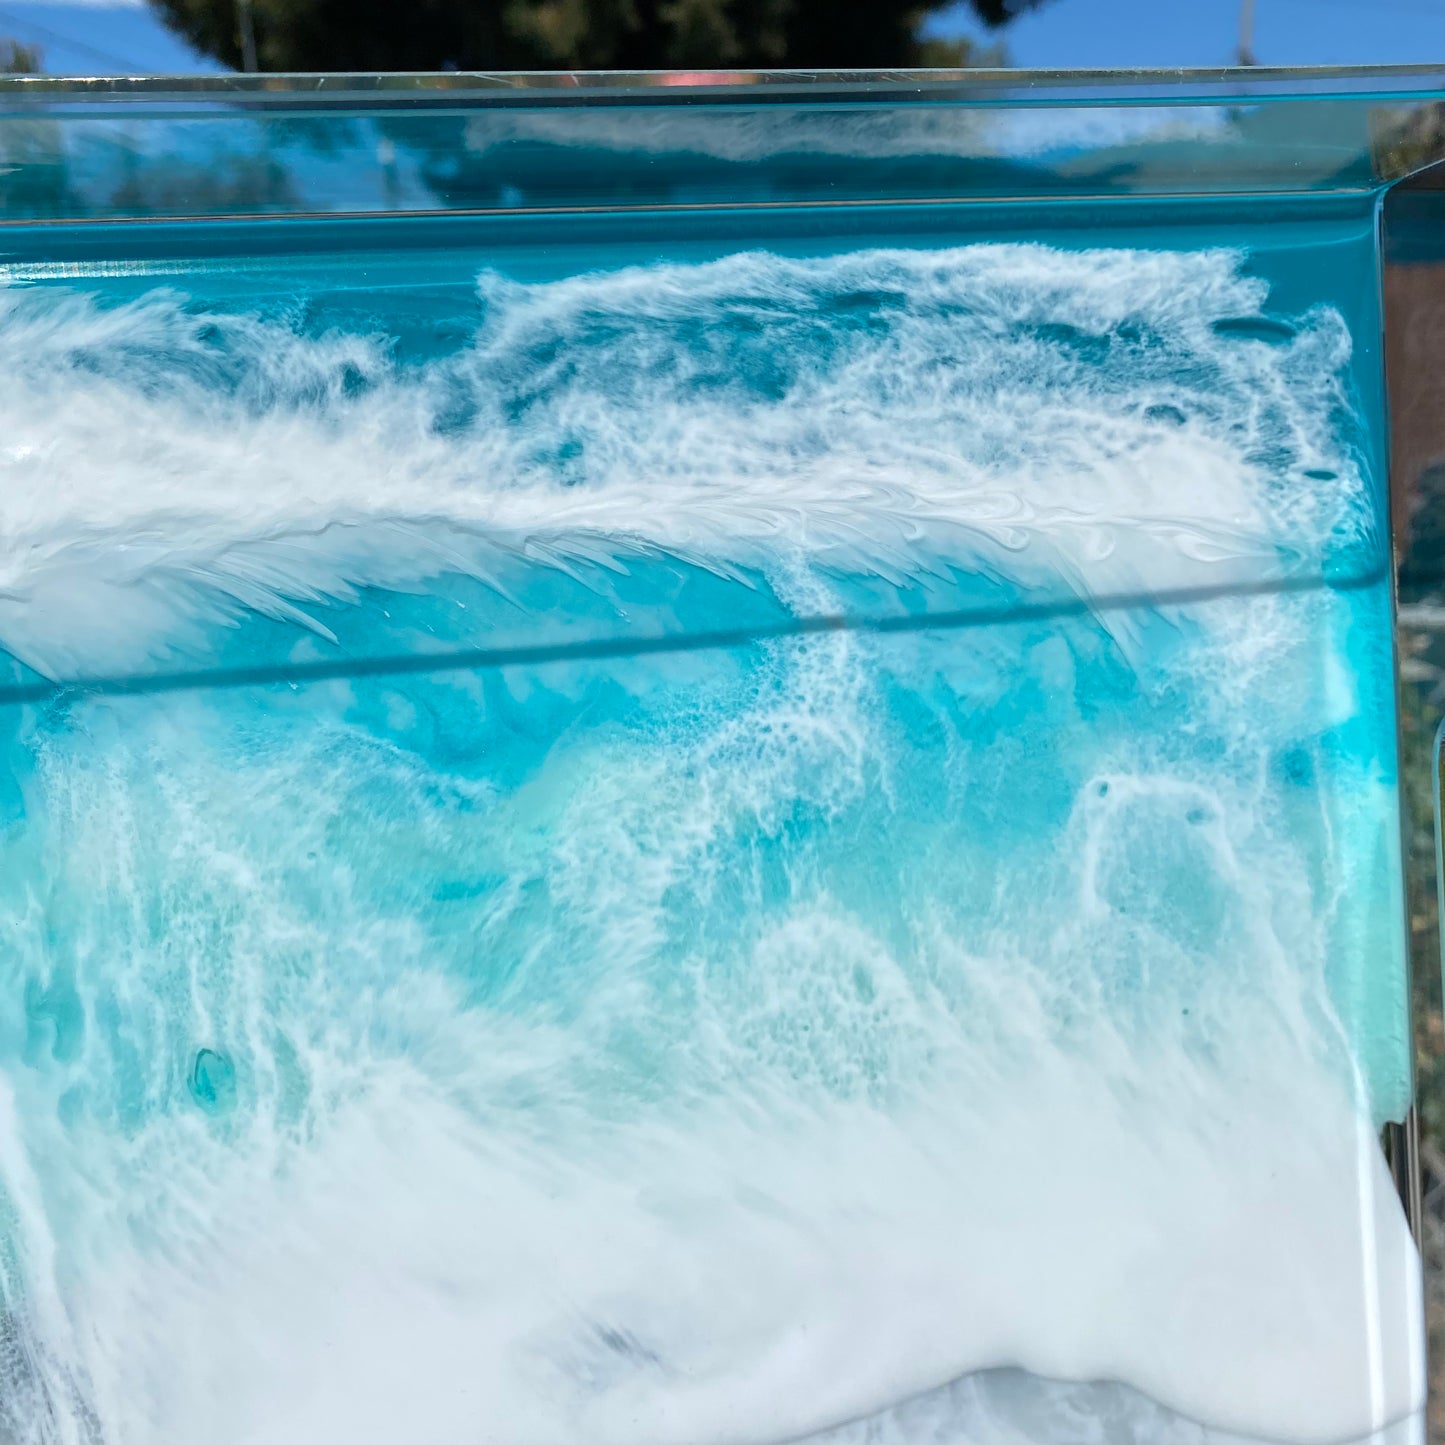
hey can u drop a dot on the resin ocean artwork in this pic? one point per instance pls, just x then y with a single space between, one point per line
721 845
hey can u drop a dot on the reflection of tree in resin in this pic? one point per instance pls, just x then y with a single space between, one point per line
1403 144
46 170
34 175
1422 701
238 183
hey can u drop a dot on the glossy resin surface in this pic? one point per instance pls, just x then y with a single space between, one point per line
711 761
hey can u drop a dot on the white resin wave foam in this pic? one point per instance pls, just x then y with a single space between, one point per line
795 1046
1071 420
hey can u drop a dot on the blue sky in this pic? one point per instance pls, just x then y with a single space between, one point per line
97 39
117 38
1206 32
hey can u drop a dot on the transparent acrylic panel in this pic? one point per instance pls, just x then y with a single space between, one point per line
761 818
1414 250
290 145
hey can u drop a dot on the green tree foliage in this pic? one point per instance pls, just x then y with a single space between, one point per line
381 35
18 59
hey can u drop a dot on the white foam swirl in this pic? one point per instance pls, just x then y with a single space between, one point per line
1097 421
